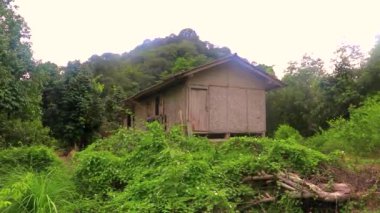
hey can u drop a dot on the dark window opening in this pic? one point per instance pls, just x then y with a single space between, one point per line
157 106
129 120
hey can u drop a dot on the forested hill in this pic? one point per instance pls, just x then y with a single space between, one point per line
153 60
103 82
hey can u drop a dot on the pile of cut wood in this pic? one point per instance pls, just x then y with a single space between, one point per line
298 188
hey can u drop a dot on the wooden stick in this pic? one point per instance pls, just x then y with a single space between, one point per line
284 185
254 178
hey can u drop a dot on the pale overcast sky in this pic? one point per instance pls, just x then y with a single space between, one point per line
270 32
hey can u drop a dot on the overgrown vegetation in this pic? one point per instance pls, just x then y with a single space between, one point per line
313 96
319 122
33 180
158 171
34 158
359 135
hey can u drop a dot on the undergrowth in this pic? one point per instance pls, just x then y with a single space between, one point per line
33 180
33 158
158 171
358 136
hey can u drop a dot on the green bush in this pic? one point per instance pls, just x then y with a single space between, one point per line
98 173
33 158
122 142
246 155
18 133
285 132
292 156
359 135
162 172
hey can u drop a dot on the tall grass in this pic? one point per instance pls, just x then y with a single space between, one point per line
36 192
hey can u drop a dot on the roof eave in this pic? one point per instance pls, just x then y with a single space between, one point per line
157 87
180 75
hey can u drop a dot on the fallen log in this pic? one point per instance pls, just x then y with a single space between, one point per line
336 196
259 177
299 188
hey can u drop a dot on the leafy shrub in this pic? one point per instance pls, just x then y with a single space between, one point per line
122 142
292 156
162 172
285 132
248 155
33 158
85 205
98 173
359 136
17 133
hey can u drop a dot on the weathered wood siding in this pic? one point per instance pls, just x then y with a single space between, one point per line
198 112
237 110
229 74
217 108
143 109
174 99
236 99
172 105
256 110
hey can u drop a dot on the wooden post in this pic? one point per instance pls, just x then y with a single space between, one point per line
189 128
227 135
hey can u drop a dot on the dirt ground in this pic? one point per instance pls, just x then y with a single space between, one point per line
364 179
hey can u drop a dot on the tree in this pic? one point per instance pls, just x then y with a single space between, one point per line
341 87
299 103
188 34
184 63
72 106
369 79
20 83
15 60
267 69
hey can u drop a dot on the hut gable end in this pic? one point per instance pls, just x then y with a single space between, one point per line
229 75
225 97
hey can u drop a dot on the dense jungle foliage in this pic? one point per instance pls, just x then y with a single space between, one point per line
323 126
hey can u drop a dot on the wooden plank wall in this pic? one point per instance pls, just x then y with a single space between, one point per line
217 108
257 112
198 113
237 110
236 99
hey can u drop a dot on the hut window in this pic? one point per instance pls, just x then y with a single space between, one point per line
157 105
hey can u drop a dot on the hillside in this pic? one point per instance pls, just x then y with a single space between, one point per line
153 60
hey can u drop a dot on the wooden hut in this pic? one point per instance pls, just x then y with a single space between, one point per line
220 99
